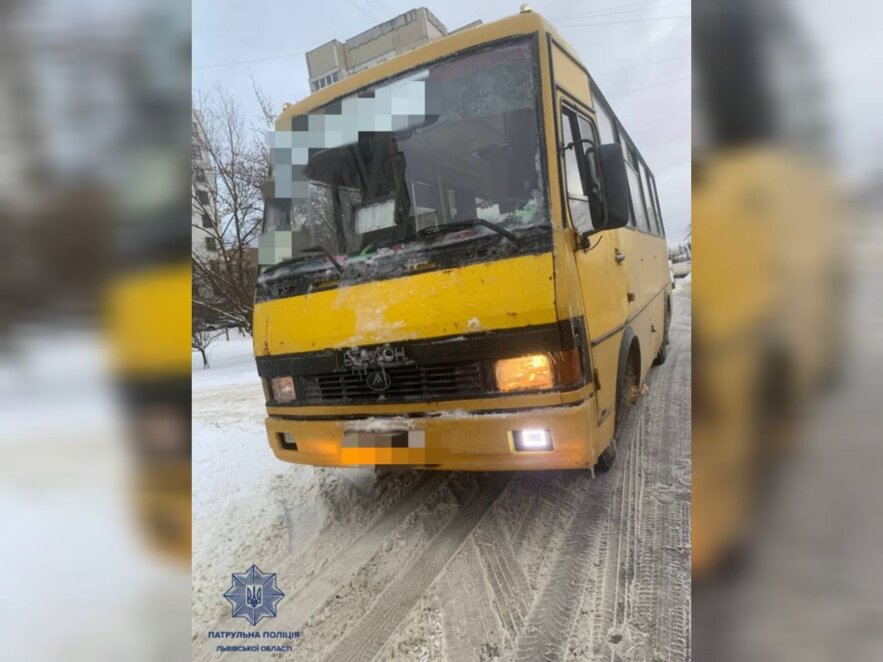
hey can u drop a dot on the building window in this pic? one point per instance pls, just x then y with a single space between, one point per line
211 244
197 152
325 81
202 197
199 173
207 221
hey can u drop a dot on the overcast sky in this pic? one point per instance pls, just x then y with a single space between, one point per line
637 52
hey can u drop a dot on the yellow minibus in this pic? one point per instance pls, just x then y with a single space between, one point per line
463 263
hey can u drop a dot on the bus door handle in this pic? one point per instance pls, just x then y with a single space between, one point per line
619 256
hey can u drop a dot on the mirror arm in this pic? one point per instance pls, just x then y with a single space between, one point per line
584 241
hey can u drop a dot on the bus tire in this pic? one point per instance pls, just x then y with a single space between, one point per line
628 379
606 459
662 354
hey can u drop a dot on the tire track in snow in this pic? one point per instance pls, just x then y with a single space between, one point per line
505 576
545 632
344 560
674 618
617 588
554 613
366 638
344 565
647 569
470 628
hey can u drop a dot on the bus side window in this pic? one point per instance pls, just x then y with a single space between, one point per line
640 211
655 195
606 128
577 198
648 199
623 143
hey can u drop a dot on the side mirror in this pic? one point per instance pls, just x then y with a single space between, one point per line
616 185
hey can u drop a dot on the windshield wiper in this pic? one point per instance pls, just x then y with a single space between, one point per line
445 228
312 251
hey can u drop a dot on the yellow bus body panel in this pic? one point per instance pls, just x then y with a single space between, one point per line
504 294
767 251
149 318
479 442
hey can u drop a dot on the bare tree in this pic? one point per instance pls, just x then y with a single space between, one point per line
201 339
230 166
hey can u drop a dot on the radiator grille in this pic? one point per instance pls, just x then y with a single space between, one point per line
411 382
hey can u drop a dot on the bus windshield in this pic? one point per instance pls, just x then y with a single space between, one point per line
380 173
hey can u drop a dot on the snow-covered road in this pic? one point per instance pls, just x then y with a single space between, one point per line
443 565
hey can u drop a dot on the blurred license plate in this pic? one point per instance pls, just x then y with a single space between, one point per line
384 439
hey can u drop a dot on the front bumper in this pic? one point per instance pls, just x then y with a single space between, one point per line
450 441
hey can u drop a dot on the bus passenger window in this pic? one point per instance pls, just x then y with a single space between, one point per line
640 211
606 128
655 195
648 199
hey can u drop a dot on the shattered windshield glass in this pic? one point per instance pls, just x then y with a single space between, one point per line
378 174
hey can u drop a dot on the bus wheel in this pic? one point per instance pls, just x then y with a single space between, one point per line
606 459
628 388
662 354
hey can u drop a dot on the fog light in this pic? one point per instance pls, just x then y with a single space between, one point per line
282 389
532 440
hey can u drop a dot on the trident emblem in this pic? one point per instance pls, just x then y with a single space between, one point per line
253 595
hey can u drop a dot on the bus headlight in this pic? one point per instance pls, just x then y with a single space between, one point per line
525 373
282 389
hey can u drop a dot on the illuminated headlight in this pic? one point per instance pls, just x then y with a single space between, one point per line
282 389
532 440
525 373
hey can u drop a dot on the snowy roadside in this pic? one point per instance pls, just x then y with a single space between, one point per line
239 487
71 540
